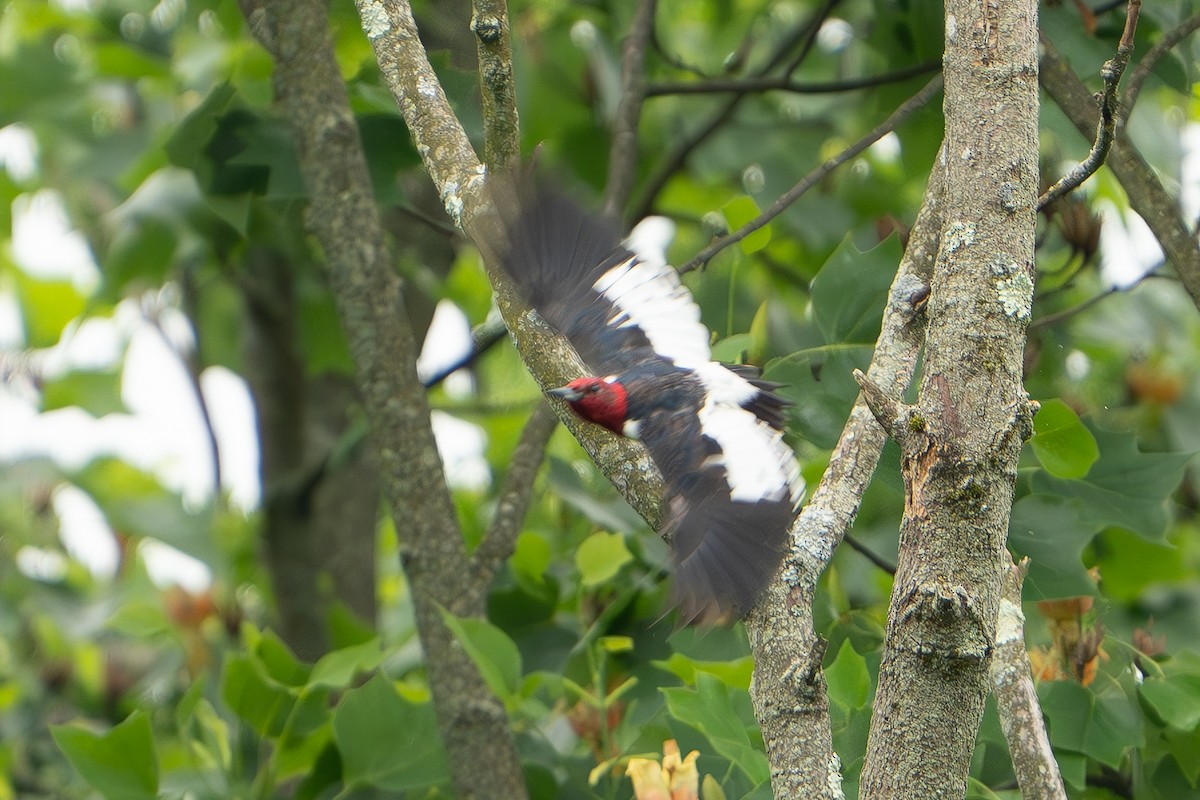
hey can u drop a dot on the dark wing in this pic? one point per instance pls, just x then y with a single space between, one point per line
732 488
617 308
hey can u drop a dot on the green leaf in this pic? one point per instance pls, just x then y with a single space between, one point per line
263 704
736 673
531 557
1129 564
601 557
848 679
850 291
732 348
1062 442
120 764
1052 532
738 212
339 668
1174 698
1101 727
275 657
97 393
188 144
820 384
387 742
713 709
1125 487
494 653
46 307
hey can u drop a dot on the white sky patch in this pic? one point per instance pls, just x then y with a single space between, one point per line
651 297
12 330
169 567
1189 189
887 149
85 532
1127 247
758 463
18 152
447 342
460 445
41 564
44 244
835 35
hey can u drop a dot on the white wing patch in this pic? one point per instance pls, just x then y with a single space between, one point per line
651 297
758 463
650 239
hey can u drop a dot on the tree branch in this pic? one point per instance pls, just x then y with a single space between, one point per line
623 151
501 139
805 34
788 690
485 336
501 537
1133 86
343 216
1146 193
1016 698
966 429
902 112
786 84
458 175
1106 128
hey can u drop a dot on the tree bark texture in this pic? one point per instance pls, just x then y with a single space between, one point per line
278 386
1016 697
961 441
343 215
788 688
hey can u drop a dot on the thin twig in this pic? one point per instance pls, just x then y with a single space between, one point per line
805 34
484 337
1059 316
1106 129
501 142
903 112
190 361
1147 196
1133 86
869 554
786 84
623 153
501 538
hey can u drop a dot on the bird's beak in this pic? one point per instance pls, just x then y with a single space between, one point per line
566 393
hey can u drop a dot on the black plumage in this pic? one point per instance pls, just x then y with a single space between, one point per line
713 431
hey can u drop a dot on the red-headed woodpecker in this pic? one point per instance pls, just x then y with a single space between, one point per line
715 431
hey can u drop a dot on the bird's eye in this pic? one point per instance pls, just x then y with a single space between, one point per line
592 389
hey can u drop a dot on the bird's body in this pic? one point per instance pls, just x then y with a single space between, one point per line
714 431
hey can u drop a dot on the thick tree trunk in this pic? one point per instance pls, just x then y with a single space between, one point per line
961 441
343 215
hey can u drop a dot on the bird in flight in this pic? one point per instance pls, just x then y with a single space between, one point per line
715 431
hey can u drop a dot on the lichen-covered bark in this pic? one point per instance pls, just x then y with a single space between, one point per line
343 215
1016 697
961 441
498 86
788 689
